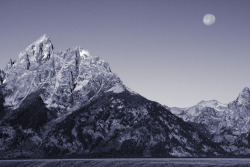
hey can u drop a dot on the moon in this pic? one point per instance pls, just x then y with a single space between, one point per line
209 19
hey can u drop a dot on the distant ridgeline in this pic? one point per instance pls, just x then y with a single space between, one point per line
70 104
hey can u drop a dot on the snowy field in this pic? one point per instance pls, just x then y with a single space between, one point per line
165 162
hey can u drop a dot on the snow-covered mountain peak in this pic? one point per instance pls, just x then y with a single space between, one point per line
68 78
244 97
43 39
245 92
212 104
36 54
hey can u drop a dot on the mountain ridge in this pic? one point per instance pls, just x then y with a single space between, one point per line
70 104
225 124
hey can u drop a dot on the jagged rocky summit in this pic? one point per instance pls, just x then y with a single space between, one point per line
70 104
225 124
67 79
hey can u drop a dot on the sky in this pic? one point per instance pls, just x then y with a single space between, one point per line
159 48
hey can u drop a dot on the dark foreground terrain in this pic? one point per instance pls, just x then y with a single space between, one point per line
165 162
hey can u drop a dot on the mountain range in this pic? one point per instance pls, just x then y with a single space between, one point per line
226 124
69 104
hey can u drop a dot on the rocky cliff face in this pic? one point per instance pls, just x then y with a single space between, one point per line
70 104
227 125
69 79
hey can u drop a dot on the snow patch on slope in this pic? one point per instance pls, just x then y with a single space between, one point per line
116 89
80 85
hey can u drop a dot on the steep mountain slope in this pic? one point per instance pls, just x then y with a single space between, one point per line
1 101
113 125
70 104
227 125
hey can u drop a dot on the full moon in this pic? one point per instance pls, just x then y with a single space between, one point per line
208 19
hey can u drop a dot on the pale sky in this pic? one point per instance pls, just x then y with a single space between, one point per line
159 48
